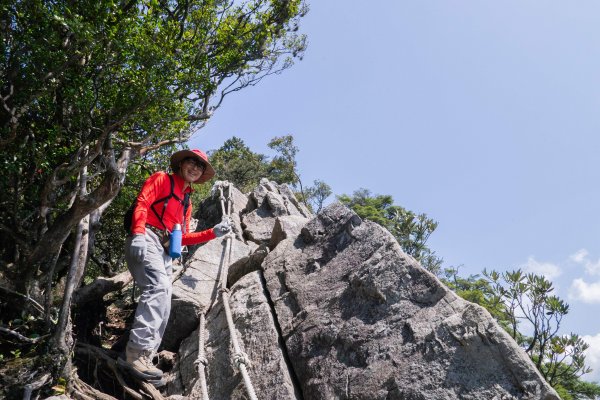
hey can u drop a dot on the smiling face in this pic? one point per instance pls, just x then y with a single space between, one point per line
191 169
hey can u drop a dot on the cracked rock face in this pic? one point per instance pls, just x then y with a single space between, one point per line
336 310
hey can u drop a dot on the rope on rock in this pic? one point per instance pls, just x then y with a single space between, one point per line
201 362
240 359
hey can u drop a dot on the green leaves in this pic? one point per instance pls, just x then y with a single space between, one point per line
235 162
528 299
317 194
283 166
85 83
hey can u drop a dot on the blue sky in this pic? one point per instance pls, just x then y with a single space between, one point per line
484 115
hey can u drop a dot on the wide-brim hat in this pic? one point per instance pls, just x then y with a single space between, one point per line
179 156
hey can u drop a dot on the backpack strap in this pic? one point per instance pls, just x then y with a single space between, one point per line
186 203
166 202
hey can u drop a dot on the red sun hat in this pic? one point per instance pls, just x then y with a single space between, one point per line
179 156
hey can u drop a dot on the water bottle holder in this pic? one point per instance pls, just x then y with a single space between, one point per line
163 237
174 249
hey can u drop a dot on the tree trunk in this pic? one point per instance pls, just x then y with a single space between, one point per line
62 339
83 205
98 200
48 290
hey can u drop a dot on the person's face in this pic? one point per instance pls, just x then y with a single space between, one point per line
191 170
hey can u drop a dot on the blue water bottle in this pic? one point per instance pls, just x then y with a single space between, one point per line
175 242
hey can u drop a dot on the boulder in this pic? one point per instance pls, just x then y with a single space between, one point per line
332 308
361 319
196 288
267 202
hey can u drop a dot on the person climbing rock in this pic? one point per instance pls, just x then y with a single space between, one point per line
163 202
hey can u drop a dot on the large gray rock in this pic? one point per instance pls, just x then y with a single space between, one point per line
363 320
287 226
332 308
267 202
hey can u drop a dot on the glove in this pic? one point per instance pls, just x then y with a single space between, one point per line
137 249
222 227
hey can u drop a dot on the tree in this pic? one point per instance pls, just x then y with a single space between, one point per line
317 194
411 230
236 163
528 299
87 88
478 290
283 167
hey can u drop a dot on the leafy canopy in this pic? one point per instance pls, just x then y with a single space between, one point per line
87 87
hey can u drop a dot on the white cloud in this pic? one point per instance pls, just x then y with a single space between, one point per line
581 257
592 357
584 291
548 270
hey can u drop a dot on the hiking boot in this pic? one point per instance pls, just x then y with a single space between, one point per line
139 363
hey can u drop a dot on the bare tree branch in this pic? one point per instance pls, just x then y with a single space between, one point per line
21 337
106 191
38 307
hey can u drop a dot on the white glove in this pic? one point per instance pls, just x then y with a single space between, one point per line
222 228
137 248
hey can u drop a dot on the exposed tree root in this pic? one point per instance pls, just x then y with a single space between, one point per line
83 391
107 359
151 391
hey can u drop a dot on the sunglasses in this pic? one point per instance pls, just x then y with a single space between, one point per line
195 163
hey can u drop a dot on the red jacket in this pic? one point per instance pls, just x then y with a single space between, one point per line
156 187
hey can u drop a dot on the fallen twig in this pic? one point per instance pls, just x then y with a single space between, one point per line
30 387
21 337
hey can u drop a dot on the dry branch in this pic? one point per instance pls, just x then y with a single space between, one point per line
100 287
21 337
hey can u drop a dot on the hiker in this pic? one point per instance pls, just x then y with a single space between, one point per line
162 203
